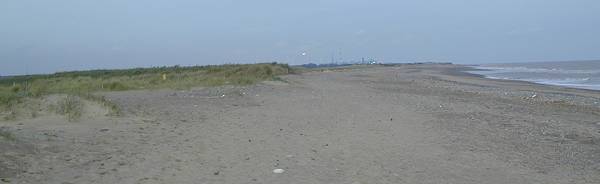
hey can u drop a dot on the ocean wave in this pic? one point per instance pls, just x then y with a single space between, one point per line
521 69
573 85
561 81
571 82
584 79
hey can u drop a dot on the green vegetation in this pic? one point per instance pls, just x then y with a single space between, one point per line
71 107
114 109
6 135
85 83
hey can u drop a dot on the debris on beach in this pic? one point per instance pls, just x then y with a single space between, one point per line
278 171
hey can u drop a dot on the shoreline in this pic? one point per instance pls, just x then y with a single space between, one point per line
560 92
474 68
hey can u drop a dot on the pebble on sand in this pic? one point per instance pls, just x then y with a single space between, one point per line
278 171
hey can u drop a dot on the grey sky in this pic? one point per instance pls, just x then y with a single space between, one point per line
38 36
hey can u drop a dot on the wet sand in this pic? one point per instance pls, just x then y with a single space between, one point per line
403 124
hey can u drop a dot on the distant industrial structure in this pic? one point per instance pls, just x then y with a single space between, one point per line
363 61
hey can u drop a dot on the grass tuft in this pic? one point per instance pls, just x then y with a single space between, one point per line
71 107
7 135
10 116
114 108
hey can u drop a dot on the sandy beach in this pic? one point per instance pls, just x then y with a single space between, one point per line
399 124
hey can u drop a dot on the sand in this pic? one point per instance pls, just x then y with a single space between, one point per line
406 124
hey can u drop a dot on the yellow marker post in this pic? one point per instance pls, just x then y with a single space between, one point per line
164 76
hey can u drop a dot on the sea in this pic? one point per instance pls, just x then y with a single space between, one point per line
573 74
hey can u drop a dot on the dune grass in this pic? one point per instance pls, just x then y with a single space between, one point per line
6 134
70 107
85 83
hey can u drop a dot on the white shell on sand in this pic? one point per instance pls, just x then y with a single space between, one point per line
278 171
